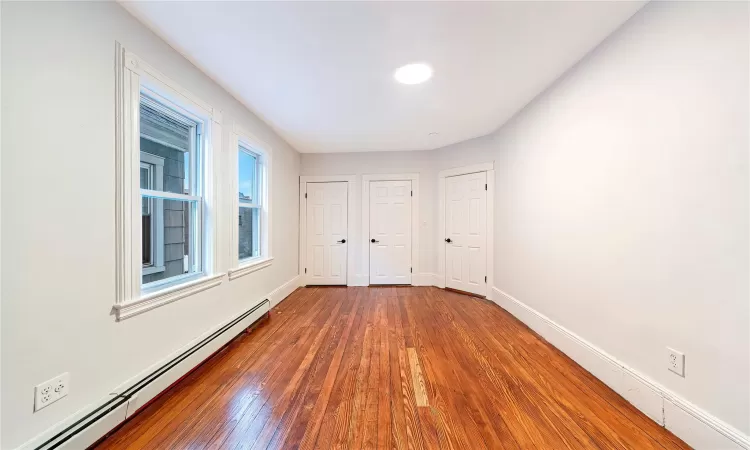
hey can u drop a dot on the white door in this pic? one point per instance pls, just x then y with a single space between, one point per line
327 242
390 232
466 227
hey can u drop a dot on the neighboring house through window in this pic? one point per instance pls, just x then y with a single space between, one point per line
152 215
168 140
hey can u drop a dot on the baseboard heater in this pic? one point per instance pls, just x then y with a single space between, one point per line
70 433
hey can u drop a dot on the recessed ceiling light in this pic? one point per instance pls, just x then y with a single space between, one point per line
413 73
434 133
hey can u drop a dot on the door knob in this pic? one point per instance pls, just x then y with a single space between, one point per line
343 241
448 240
373 241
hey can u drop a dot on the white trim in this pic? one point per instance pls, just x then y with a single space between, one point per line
465 170
415 205
132 77
241 136
138 66
490 236
327 178
250 266
490 264
168 295
285 290
351 279
440 238
687 421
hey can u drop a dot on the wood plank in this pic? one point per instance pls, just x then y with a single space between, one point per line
389 367
420 392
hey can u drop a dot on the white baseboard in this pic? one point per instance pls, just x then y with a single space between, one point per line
101 427
690 423
283 291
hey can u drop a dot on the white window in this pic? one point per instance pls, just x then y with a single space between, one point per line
174 136
165 225
251 229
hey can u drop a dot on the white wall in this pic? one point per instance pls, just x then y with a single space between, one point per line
426 163
58 191
379 163
622 199
621 204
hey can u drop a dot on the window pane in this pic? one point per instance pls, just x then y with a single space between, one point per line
169 240
169 138
172 165
249 233
145 176
146 237
248 177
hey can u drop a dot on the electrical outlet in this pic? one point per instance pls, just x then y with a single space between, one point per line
51 391
676 361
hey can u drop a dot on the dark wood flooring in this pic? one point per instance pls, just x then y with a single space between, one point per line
390 367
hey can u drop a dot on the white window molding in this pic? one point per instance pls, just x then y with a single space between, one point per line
242 140
414 178
132 76
250 266
169 295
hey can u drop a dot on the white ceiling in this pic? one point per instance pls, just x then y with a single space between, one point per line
321 73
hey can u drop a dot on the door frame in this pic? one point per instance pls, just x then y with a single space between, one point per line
489 168
350 228
414 178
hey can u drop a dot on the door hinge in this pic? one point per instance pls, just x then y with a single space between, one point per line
485 186
410 269
411 193
485 278
305 194
306 271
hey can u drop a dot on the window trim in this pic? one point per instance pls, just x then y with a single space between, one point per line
241 138
132 74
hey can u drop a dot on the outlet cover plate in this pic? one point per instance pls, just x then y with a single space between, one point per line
51 391
676 361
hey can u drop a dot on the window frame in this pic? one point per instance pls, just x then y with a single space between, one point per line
244 141
164 105
133 77
257 200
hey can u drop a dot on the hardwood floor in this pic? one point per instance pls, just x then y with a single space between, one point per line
390 367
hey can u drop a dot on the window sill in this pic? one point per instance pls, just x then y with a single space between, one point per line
152 269
250 267
168 295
